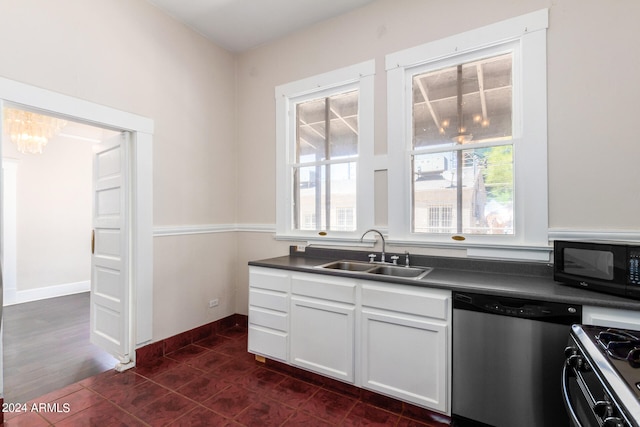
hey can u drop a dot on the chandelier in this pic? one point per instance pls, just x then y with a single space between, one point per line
30 131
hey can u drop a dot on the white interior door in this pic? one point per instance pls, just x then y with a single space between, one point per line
110 298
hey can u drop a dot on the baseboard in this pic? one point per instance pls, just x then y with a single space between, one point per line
149 353
391 404
29 295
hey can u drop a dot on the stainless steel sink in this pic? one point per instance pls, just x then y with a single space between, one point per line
349 266
398 271
380 269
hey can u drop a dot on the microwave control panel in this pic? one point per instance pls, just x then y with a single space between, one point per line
634 266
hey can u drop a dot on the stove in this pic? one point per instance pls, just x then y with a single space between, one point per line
621 344
601 377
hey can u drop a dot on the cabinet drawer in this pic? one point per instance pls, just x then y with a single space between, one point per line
267 342
270 319
265 278
268 299
434 303
328 288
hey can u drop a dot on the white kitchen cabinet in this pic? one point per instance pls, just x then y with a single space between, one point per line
389 338
269 294
611 317
323 314
406 344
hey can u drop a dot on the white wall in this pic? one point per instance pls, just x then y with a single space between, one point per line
592 101
592 90
53 214
128 55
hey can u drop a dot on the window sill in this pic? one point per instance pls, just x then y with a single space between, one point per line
327 240
488 251
514 252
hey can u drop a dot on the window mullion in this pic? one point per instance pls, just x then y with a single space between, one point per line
459 154
459 191
462 147
351 159
296 176
327 149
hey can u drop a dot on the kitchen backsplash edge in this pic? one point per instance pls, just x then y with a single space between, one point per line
521 268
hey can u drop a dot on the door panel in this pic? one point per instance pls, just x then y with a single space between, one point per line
107 243
108 283
108 203
110 259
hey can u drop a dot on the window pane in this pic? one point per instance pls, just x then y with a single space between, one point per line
493 205
466 191
325 197
339 115
470 102
434 193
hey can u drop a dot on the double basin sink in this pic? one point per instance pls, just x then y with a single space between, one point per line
378 268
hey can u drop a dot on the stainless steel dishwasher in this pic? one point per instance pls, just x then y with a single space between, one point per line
507 357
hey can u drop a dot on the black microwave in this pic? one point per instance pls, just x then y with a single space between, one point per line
609 267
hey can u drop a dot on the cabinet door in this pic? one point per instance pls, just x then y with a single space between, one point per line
322 337
405 357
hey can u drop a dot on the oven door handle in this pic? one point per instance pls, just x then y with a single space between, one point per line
567 398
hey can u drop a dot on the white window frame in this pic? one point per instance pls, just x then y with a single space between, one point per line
359 76
525 36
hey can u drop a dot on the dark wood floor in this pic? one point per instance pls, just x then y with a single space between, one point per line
46 347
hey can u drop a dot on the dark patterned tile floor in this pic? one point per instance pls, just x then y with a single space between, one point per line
213 382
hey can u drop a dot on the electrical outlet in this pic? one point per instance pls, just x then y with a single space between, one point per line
300 248
214 303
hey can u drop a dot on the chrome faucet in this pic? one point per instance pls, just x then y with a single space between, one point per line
381 237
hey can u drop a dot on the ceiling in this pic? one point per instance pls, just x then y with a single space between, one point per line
240 25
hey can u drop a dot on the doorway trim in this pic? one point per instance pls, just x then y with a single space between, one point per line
8 193
141 188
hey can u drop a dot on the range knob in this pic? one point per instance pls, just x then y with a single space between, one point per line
634 357
570 351
575 361
603 409
613 422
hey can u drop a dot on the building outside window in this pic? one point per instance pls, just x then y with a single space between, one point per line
439 218
344 218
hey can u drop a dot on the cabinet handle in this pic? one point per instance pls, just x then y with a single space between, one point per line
93 241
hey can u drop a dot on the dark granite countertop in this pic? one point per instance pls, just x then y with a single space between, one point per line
501 278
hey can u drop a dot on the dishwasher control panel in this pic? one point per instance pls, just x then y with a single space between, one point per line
517 307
